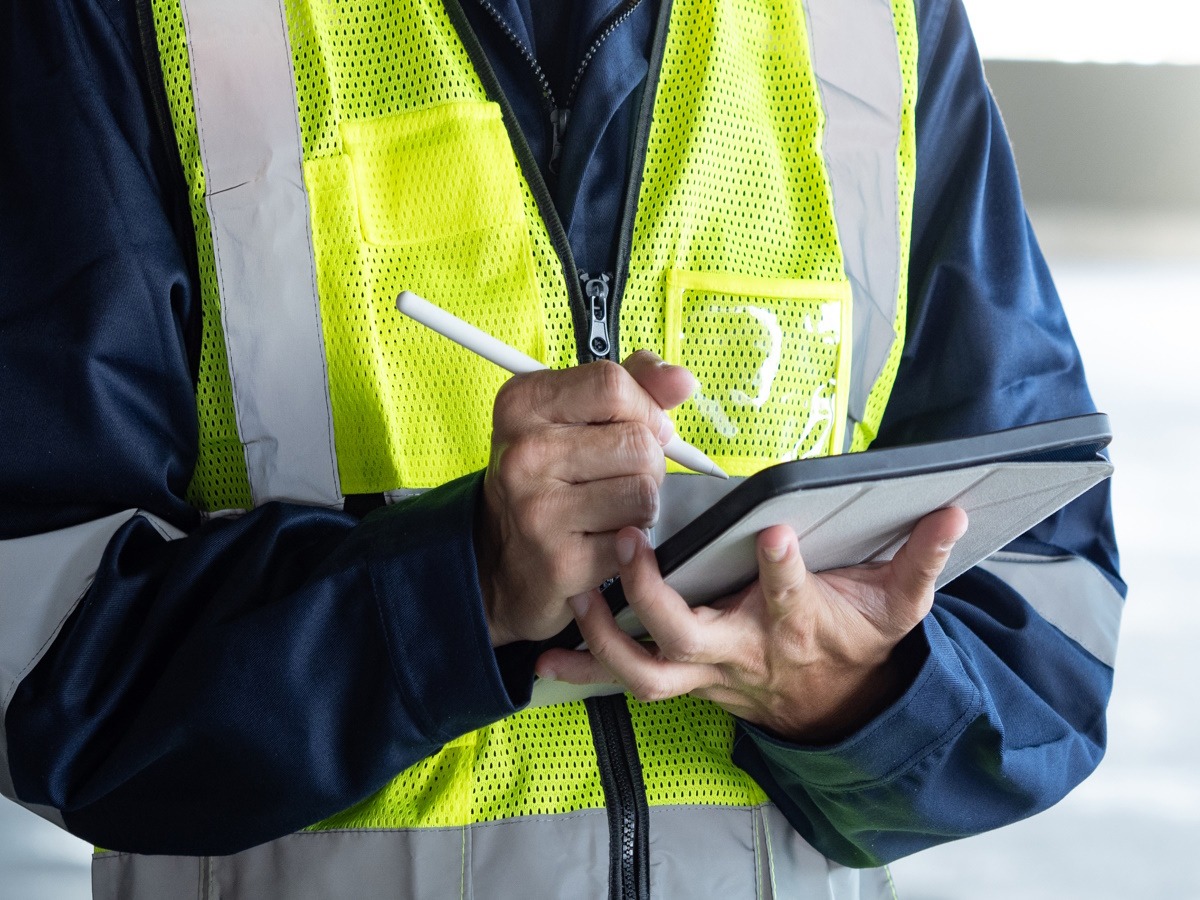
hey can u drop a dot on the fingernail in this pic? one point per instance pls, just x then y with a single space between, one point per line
666 428
775 552
626 548
947 546
580 603
547 675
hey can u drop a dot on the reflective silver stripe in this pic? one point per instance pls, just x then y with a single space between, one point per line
1069 593
401 494
42 579
252 154
695 851
857 67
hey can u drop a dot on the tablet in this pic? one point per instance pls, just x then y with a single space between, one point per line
860 507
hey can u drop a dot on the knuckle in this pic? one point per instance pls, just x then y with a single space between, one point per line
601 647
517 460
648 690
538 512
614 382
640 447
644 499
510 399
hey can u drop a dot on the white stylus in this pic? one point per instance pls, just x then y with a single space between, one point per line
482 343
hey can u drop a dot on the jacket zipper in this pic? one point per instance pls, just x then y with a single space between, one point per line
560 115
533 174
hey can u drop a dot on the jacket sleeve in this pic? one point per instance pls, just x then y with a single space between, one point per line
157 670
1006 713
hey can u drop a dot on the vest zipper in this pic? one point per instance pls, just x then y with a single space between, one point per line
595 292
624 797
612 728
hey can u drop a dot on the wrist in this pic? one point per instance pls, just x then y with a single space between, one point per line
487 565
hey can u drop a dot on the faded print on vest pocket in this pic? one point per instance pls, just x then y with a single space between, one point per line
421 201
772 357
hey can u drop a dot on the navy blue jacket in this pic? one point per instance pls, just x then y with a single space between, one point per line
219 690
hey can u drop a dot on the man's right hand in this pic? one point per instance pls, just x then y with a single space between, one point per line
576 456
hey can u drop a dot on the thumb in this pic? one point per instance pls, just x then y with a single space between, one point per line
669 385
916 566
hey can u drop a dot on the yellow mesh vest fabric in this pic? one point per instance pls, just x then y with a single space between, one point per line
685 745
413 185
686 748
735 270
735 226
538 762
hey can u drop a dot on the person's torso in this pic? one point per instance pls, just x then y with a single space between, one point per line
762 245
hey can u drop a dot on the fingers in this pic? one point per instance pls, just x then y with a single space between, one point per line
616 656
572 454
594 393
592 508
781 570
576 454
677 629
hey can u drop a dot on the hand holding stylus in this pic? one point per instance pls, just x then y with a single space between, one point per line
576 455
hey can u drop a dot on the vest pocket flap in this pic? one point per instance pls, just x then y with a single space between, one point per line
772 356
432 173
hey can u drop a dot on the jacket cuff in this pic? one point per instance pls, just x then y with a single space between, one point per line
427 586
930 715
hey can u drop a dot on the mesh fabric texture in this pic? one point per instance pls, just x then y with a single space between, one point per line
734 183
413 185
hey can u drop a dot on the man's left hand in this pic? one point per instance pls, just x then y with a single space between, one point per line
810 657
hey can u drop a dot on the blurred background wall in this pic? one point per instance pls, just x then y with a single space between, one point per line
1103 135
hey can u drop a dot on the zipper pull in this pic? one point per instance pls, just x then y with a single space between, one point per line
558 127
596 291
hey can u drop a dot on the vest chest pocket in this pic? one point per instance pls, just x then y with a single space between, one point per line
429 201
773 360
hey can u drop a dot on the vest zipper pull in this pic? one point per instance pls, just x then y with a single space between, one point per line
558 128
595 289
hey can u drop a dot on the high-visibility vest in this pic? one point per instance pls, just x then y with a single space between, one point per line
338 153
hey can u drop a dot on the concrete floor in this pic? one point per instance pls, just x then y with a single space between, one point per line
1132 290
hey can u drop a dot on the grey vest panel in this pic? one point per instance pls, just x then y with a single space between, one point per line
731 853
857 66
257 204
